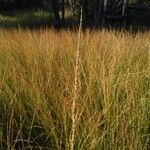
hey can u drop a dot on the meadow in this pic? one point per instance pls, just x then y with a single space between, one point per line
59 91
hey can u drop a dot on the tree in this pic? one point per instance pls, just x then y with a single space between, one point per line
63 11
55 7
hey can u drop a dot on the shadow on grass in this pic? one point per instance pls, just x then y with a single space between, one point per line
35 18
32 19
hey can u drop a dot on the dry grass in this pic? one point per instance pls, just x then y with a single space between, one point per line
37 88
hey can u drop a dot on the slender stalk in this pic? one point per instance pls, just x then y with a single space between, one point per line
76 89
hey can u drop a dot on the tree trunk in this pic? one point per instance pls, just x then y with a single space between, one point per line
55 7
85 12
104 21
105 6
124 9
63 11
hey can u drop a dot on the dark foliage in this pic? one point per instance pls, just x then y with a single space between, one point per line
96 13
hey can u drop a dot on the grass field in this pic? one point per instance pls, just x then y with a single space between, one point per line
38 73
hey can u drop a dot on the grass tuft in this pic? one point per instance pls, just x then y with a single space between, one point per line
37 86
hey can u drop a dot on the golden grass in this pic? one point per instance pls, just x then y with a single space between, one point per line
37 89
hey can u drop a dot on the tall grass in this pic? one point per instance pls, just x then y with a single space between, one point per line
37 89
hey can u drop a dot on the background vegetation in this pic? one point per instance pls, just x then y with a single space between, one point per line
96 13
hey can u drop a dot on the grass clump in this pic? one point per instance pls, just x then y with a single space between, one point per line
37 88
